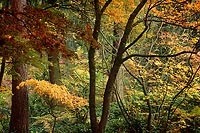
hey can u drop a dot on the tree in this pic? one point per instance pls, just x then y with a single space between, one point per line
26 30
145 62
2 69
3 63
100 127
131 23
19 110
119 87
54 68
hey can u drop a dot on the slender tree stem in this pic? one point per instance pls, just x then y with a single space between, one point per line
3 63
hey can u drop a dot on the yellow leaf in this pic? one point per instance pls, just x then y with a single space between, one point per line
194 40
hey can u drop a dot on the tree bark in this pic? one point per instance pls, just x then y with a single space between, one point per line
92 95
100 127
19 109
3 63
92 69
107 93
119 86
54 67
116 66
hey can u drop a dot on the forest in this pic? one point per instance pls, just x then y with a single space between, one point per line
99 66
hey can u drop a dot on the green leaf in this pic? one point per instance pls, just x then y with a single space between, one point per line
195 111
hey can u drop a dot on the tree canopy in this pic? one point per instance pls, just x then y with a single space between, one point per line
100 66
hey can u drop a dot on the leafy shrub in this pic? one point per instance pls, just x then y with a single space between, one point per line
5 95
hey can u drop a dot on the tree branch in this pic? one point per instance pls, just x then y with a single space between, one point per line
171 23
138 37
115 68
106 5
145 29
169 55
191 79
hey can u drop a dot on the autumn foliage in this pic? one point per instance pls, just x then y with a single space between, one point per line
42 30
55 92
155 43
180 12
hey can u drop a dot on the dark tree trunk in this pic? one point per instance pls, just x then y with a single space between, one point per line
3 63
116 66
100 127
92 69
54 67
108 92
92 95
19 109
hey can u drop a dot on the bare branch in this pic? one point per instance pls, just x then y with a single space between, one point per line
145 29
106 5
129 26
158 19
169 55
188 85
138 37
136 78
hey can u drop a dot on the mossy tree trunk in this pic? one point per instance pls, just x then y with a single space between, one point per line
119 85
54 66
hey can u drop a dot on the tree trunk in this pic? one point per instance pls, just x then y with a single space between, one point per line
116 66
108 92
99 128
92 69
2 69
19 109
119 85
54 67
